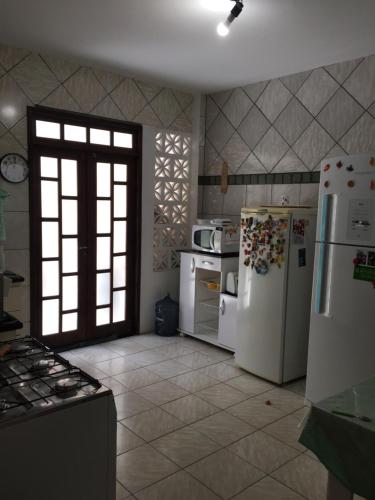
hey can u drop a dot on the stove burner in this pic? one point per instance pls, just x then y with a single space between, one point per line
3 405
41 365
19 347
67 384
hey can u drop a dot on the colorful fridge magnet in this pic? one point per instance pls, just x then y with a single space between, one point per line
298 232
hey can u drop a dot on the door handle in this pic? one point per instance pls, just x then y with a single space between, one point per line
192 265
222 307
209 262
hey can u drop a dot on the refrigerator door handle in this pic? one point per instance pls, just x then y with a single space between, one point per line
192 268
319 279
222 307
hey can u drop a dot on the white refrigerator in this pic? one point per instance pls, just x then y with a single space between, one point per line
342 330
274 291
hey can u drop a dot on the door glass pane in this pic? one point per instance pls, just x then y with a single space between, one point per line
69 255
103 216
50 317
122 140
119 271
119 238
50 278
103 179
70 292
69 217
120 172
50 206
50 130
102 316
119 306
102 289
50 239
74 133
48 166
98 136
69 322
69 177
103 251
119 201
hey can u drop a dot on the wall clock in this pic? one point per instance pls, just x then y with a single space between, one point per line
13 168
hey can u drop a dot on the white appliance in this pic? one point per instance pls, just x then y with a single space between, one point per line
342 330
274 291
216 238
232 283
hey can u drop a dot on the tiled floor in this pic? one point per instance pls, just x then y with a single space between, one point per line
193 426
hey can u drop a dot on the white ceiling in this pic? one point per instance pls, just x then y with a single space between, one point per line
175 41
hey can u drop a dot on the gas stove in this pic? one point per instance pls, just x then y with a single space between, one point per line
33 378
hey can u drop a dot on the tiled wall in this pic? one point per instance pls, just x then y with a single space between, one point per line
288 124
27 78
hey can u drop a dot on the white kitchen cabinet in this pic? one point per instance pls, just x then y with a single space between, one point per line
227 321
199 305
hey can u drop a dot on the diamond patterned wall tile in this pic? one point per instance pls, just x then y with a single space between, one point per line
183 98
253 127
339 114
148 117
85 88
129 98
220 132
361 137
149 90
313 145
166 107
292 121
13 101
35 78
274 99
271 149
365 72
341 71
294 82
317 90
8 144
251 166
237 106
19 131
10 56
181 123
108 108
61 68
221 97
255 89
2 129
235 152
371 110
108 79
290 163
213 162
61 99
212 110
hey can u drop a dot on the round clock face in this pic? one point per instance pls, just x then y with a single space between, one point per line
13 167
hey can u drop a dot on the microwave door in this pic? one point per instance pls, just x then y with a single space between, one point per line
203 238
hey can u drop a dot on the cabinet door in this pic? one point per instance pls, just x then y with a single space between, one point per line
187 292
228 321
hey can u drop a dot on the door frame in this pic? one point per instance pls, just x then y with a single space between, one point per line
34 145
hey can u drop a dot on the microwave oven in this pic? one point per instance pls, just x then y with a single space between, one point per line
216 238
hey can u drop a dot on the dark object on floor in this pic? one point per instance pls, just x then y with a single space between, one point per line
166 317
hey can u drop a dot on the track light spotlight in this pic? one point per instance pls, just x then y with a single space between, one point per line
223 27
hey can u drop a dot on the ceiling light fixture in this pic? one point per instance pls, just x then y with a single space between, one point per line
223 27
